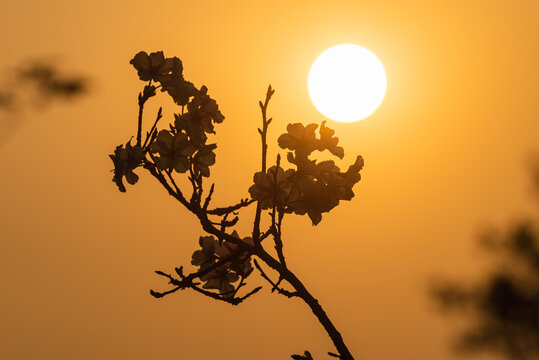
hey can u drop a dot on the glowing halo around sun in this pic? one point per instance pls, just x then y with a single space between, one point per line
347 83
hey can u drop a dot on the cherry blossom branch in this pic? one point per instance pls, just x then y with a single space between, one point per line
218 228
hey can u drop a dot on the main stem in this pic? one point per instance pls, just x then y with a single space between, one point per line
310 300
319 312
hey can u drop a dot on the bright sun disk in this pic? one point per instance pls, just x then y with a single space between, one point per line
347 83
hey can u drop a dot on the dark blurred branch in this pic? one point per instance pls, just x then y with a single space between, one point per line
35 84
50 82
503 307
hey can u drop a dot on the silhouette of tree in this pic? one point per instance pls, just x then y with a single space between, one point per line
503 308
225 259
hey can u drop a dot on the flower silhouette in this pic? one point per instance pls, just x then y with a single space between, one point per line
206 256
155 66
174 150
300 139
235 262
126 160
203 159
179 89
202 112
312 198
220 279
313 188
272 187
329 142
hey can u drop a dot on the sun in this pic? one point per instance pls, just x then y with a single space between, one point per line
347 83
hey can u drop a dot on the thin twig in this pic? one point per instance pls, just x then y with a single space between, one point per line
263 135
187 282
149 135
141 100
208 198
152 168
275 286
274 226
229 209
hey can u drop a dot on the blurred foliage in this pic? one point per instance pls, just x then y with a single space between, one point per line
41 82
51 83
502 310
35 84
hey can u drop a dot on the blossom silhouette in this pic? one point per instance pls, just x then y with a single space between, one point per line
179 89
220 279
300 139
235 262
126 160
312 188
329 142
271 188
312 198
205 109
155 66
203 159
174 151
206 256
202 112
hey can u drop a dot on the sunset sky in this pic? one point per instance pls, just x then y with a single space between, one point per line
446 155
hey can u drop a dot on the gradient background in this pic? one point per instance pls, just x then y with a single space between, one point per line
445 155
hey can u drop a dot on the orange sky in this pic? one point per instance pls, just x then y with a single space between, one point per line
445 155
